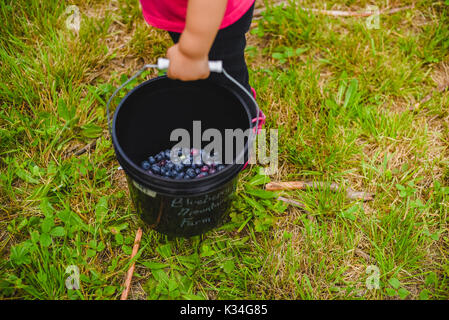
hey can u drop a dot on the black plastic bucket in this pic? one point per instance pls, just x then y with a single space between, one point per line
141 126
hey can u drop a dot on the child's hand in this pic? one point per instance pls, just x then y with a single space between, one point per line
189 57
184 67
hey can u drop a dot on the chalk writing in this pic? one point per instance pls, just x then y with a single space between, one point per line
194 211
207 198
189 222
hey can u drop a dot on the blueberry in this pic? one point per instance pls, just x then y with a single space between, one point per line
195 165
191 173
145 165
170 165
180 175
202 174
156 169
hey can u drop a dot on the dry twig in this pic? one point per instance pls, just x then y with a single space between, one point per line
301 185
334 13
87 147
428 97
363 254
77 152
129 275
293 202
298 204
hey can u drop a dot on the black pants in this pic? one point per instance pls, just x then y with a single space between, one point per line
229 47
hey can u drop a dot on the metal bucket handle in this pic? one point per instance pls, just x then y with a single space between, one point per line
162 64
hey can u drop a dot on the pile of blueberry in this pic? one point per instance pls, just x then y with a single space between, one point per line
190 166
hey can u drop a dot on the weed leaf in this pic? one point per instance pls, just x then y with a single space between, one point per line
19 254
24 175
45 240
263 194
394 283
91 131
259 179
403 293
101 209
58 232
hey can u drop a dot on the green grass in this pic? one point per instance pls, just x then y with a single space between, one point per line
340 95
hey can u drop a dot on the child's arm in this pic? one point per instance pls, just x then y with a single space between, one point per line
189 57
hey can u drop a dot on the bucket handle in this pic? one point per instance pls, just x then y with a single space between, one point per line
162 64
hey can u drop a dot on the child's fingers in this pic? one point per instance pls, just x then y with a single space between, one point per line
170 73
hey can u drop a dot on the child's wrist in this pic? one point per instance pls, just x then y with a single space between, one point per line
192 46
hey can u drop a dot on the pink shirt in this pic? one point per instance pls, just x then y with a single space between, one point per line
170 15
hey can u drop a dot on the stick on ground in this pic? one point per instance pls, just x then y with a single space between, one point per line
87 147
337 13
297 204
441 88
129 275
302 185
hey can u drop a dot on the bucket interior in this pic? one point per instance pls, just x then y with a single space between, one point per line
149 114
